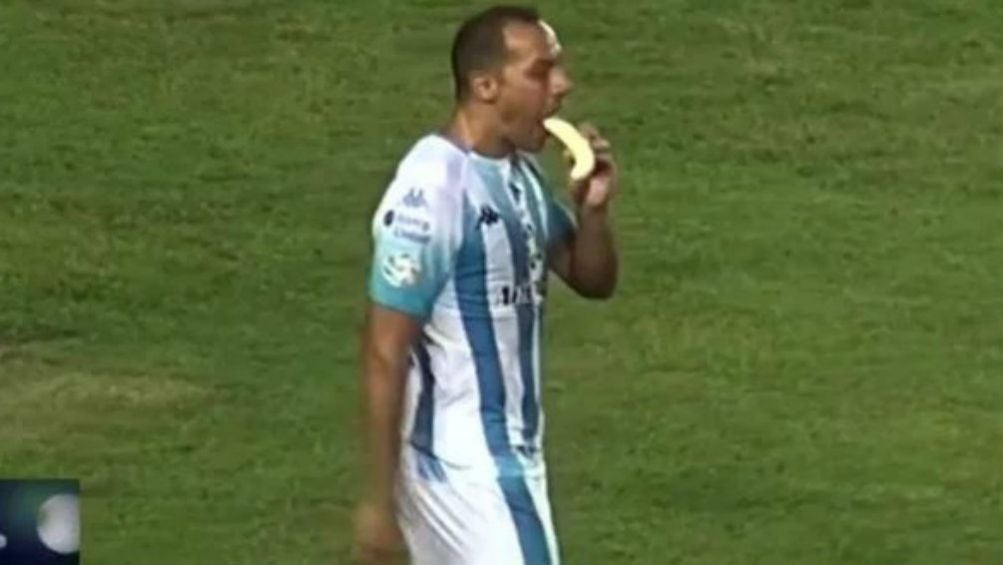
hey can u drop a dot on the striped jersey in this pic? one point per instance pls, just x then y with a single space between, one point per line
460 243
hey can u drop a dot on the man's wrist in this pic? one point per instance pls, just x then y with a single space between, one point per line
591 213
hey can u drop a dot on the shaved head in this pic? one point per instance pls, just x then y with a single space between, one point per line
480 46
508 71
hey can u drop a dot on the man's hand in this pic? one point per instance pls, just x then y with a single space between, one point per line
378 539
595 192
587 259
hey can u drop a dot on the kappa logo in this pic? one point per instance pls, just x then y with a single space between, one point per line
488 216
415 198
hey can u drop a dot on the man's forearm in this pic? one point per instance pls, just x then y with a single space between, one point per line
383 380
594 263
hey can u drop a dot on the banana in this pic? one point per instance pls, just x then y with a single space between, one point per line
581 150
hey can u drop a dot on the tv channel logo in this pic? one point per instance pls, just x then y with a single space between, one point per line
39 522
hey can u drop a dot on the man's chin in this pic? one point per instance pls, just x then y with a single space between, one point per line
536 143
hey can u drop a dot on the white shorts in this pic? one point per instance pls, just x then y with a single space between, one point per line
451 517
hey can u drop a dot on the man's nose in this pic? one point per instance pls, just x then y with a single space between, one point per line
561 83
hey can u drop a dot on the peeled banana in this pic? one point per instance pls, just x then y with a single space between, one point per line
581 150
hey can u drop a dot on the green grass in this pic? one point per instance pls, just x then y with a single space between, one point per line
804 363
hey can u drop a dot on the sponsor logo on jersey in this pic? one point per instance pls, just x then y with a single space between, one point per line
516 295
402 225
401 270
413 222
412 235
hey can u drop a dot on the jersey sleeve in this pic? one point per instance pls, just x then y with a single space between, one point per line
416 234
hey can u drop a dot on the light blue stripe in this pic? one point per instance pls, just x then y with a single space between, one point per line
471 290
472 295
528 526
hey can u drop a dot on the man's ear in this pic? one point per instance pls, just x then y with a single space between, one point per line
484 86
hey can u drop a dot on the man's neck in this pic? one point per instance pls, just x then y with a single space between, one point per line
478 131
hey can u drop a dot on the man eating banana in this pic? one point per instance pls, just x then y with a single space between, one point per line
464 238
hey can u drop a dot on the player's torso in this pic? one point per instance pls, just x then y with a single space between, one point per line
482 342
503 258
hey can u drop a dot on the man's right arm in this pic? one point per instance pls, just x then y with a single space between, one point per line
386 341
388 336
416 235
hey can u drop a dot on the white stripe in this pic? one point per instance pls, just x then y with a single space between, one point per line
538 491
457 438
498 250
538 371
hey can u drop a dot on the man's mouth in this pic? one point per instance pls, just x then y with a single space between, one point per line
552 111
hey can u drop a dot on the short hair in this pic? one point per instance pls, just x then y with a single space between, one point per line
479 44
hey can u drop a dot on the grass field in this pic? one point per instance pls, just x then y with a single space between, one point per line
804 364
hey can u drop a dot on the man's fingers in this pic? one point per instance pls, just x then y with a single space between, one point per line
604 165
600 145
588 130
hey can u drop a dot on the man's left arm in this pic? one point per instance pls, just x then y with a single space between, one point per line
586 257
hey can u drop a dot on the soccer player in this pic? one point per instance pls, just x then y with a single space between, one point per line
465 235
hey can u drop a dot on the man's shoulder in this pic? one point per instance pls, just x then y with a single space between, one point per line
433 163
427 183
